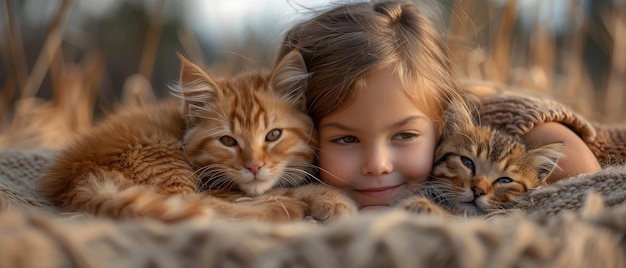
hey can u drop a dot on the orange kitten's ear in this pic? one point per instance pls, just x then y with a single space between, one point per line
545 158
290 78
197 88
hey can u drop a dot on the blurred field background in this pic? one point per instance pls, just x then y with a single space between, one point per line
66 63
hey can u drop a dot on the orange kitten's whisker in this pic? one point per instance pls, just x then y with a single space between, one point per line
311 133
218 183
335 176
212 178
293 177
160 161
221 183
280 184
316 152
200 171
208 173
304 167
211 131
210 168
230 185
308 174
213 175
209 118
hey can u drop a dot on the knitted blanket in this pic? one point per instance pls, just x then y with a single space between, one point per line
576 222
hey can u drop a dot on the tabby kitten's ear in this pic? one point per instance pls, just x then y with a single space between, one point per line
544 158
197 88
290 78
459 118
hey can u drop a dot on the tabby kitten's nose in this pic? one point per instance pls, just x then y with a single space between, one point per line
478 191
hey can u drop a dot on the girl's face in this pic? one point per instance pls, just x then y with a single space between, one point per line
380 143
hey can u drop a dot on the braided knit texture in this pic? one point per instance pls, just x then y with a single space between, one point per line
576 222
516 115
19 174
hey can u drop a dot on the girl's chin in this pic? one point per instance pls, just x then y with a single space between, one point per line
368 209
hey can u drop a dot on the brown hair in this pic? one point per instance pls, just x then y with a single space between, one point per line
346 44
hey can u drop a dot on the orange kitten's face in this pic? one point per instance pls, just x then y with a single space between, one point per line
250 132
482 170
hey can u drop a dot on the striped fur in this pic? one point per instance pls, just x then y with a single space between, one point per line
223 147
479 170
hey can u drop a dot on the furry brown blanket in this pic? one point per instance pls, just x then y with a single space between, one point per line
551 230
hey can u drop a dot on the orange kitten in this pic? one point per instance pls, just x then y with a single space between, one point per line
199 155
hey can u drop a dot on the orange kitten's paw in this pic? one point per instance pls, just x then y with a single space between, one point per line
330 210
422 205
286 209
326 203
274 208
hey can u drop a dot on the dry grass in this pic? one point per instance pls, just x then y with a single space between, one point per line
540 63
485 49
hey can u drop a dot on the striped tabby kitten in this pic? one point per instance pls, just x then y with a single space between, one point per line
479 170
233 148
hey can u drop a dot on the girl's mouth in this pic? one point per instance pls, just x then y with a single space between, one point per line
379 192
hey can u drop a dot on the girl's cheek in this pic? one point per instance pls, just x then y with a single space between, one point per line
417 165
331 179
330 170
334 168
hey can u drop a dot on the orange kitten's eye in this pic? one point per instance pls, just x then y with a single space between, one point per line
228 141
468 163
273 135
504 180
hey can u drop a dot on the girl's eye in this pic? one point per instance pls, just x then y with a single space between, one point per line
404 136
346 140
273 135
504 180
468 163
228 141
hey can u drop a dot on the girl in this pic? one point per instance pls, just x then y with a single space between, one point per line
381 84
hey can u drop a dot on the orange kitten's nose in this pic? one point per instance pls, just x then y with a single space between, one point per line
254 166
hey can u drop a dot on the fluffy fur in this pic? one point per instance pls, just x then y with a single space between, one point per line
233 147
479 170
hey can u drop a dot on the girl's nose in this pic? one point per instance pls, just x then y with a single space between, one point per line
376 161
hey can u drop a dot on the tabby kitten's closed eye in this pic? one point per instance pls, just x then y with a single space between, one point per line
200 154
479 170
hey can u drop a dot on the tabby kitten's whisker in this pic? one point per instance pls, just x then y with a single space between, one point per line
480 170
